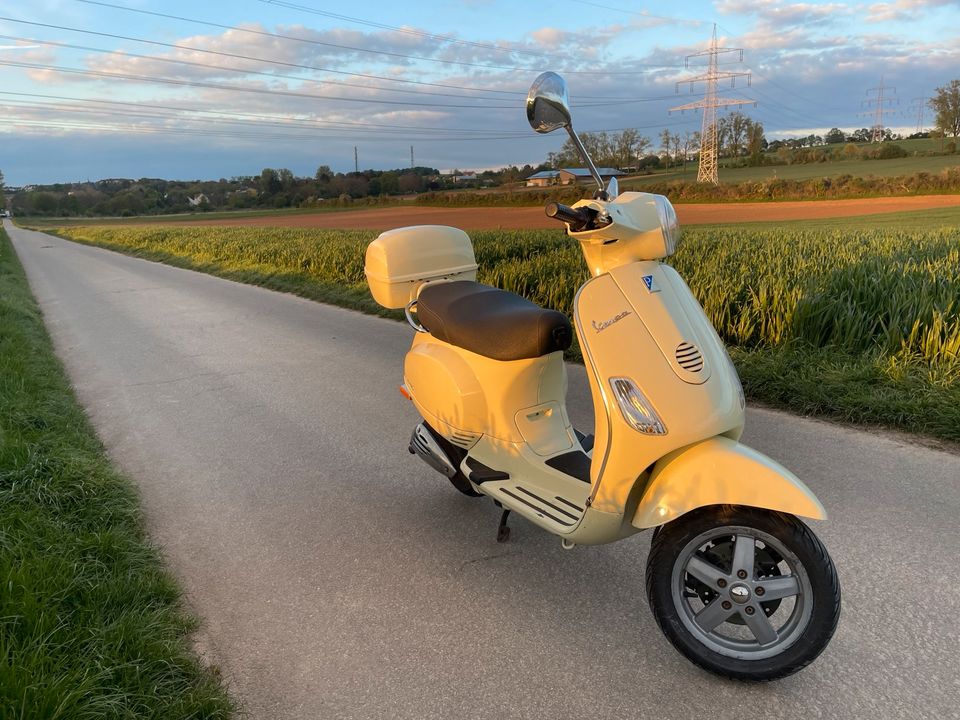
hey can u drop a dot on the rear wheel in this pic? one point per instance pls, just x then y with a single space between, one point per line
742 592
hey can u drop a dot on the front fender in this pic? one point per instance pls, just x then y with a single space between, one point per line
720 471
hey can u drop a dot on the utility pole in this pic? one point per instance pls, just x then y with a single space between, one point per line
411 157
708 133
881 103
356 160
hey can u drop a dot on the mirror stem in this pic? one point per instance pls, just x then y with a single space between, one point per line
583 153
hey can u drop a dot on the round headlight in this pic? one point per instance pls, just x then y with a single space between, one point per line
668 223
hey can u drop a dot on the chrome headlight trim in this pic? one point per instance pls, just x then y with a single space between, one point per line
669 224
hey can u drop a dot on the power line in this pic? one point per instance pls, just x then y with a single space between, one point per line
642 13
168 114
338 124
354 48
227 68
405 31
176 46
237 88
285 93
155 115
182 131
179 131
795 95
603 100
377 127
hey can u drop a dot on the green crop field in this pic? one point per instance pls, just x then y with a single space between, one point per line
858 168
840 318
189 218
911 221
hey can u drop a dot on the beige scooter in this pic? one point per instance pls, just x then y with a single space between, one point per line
736 582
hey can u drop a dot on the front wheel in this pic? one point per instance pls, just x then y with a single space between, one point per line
746 593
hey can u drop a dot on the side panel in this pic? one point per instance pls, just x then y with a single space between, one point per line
618 322
479 395
443 385
720 471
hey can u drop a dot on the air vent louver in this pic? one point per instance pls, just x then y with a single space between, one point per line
464 439
689 357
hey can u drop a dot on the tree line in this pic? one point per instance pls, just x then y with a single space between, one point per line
631 151
272 188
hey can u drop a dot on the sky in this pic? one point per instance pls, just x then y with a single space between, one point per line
188 90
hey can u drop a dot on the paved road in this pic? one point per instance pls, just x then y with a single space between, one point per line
338 577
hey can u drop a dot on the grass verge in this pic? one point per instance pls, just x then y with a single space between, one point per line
858 323
91 625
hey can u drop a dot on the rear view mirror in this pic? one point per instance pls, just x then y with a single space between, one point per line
548 108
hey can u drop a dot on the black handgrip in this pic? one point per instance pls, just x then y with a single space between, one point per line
576 218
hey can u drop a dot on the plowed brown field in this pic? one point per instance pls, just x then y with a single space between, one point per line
533 217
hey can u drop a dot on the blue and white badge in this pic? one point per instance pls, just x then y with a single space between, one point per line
651 284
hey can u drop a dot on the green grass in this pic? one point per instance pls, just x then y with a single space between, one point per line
878 168
91 625
843 318
910 221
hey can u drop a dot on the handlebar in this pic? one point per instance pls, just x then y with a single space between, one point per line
577 218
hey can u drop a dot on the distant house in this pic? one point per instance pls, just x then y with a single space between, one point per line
465 178
544 178
570 176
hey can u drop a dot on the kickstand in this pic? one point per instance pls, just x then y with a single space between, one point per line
503 531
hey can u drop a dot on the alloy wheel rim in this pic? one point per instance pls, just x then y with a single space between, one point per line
752 605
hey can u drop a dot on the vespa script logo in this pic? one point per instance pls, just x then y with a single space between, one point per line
599 327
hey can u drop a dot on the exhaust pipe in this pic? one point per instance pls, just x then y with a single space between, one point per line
424 445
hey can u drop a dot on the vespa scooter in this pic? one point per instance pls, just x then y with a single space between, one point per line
735 580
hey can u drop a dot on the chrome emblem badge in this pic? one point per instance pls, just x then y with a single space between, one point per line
607 323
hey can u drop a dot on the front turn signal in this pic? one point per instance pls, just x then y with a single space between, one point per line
636 409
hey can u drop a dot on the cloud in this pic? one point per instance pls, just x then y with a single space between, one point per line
254 48
549 37
24 51
778 12
901 10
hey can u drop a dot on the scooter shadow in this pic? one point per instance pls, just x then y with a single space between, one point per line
596 588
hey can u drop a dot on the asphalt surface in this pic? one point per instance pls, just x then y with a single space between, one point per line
337 576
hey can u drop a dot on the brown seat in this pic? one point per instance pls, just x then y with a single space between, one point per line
490 322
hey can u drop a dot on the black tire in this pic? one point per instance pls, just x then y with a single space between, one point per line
779 541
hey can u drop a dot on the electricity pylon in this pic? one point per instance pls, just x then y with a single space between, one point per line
920 104
877 134
708 133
